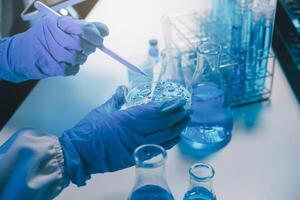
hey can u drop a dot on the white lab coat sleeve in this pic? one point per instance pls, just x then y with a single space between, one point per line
31 167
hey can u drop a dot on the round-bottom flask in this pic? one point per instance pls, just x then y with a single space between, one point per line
150 181
201 185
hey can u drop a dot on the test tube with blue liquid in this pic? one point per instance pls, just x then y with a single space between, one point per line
246 62
267 39
256 45
236 50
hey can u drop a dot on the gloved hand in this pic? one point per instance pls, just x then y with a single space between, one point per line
53 47
104 141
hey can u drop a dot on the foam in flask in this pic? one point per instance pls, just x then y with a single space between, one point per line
211 121
201 183
170 84
150 181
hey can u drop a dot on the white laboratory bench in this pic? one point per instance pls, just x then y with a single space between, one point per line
261 162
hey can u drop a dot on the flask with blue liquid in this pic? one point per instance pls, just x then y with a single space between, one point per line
201 183
150 181
211 122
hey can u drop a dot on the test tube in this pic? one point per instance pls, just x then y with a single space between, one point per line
267 39
256 45
245 6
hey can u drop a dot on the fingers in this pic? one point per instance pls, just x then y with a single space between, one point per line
119 97
56 50
168 134
154 110
72 42
91 32
170 144
102 28
48 66
172 106
117 100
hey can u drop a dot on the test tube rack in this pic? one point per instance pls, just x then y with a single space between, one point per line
183 32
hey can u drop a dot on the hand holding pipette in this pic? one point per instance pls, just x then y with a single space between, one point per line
41 7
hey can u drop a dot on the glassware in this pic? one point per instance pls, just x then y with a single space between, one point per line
269 12
148 65
211 121
201 183
170 84
150 181
171 67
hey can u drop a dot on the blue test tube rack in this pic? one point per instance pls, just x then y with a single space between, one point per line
247 63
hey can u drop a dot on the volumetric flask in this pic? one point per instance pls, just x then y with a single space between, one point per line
201 183
150 181
211 122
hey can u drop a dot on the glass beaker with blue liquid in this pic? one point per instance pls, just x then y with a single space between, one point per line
201 183
150 181
211 121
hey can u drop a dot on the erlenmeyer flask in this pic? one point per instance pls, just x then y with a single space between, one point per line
150 181
171 83
201 185
171 67
211 122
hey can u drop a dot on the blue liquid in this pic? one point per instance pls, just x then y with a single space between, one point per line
236 51
211 122
246 30
151 192
199 193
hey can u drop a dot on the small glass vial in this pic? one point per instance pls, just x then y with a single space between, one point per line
201 183
150 181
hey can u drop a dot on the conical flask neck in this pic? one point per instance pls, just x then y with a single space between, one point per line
151 176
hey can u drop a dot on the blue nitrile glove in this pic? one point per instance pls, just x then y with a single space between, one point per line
104 141
53 47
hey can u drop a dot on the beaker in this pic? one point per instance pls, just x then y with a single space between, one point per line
201 183
150 181
211 121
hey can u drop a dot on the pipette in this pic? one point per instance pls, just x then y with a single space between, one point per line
41 7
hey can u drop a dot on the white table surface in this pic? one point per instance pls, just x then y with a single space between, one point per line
262 161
